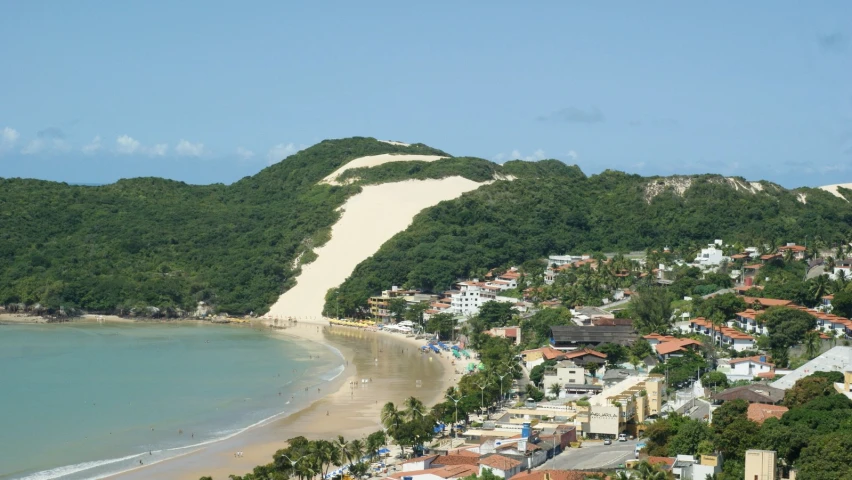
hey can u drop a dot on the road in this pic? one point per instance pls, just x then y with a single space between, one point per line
595 455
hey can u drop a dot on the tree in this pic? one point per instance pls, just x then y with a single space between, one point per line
375 441
537 372
689 435
392 418
536 330
828 457
726 306
443 324
592 367
397 307
652 310
715 379
554 390
808 388
819 287
737 437
615 354
841 305
414 409
496 314
534 393
813 344
414 314
787 326
641 349
358 470
681 370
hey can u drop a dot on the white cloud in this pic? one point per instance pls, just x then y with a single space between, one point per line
280 152
244 153
127 145
158 150
8 137
187 149
573 155
42 145
94 146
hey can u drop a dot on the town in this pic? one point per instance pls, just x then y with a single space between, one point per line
730 362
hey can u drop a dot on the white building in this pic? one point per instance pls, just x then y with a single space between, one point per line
710 257
751 367
564 373
499 465
560 260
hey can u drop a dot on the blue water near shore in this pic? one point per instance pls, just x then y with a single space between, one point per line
84 400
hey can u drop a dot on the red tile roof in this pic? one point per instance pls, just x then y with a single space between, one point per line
499 462
554 475
758 412
455 459
449 471
767 302
793 248
675 345
753 266
668 461
754 359
548 352
726 331
583 353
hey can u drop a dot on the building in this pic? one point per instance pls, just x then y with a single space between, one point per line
449 472
687 467
667 346
537 356
622 407
750 367
838 359
512 333
379 305
760 465
798 251
555 475
499 465
754 393
569 337
724 335
585 356
759 412
842 268
710 257
565 373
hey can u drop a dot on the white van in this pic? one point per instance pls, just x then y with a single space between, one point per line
622 437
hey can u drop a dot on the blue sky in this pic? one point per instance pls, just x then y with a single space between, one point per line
211 91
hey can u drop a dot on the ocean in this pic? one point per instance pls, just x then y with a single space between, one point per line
86 400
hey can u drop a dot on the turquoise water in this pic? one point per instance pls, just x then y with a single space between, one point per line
85 400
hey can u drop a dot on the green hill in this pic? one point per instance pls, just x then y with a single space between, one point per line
559 210
150 242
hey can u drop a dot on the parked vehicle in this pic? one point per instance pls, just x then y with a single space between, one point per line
622 437
607 442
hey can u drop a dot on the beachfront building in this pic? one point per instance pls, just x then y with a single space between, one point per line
622 407
380 304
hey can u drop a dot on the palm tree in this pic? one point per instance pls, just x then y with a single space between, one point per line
413 409
635 361
555 389
820 286
356 450
646 471
342 447
623 475
391 417
812 344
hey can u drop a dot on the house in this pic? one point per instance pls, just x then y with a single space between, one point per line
842 268
564 373
585 356
587 314
667 346
537 356
747 320
754 393
733 338
499 465
759 412
555 475
418 463
710 257
458 457
767 302
512 333
449 472
750 367
569 336
826 302
798 251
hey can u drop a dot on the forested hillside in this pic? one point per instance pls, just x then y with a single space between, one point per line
159 243
150 242
560 210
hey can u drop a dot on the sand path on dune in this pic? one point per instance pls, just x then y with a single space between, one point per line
369 219
374 161
833 189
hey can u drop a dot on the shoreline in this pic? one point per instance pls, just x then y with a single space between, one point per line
339 412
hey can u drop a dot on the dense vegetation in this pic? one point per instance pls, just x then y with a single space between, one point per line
563 211
150 242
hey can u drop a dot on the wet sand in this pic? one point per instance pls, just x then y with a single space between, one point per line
352 410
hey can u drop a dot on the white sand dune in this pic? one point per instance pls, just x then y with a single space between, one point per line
369 219
396 143
376 160
833 189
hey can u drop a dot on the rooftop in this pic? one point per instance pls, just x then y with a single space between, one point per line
449 471
621 334
758 412
754 393
838 359
499 462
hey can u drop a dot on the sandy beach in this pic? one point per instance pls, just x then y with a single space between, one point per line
392 362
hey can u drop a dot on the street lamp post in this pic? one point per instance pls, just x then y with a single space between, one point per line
456 402
292 463
482 394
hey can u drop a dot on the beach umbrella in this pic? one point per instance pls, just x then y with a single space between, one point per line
384 450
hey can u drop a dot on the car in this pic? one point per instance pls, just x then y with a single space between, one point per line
607 442
622 437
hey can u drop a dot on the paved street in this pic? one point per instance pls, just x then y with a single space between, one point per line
595 455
